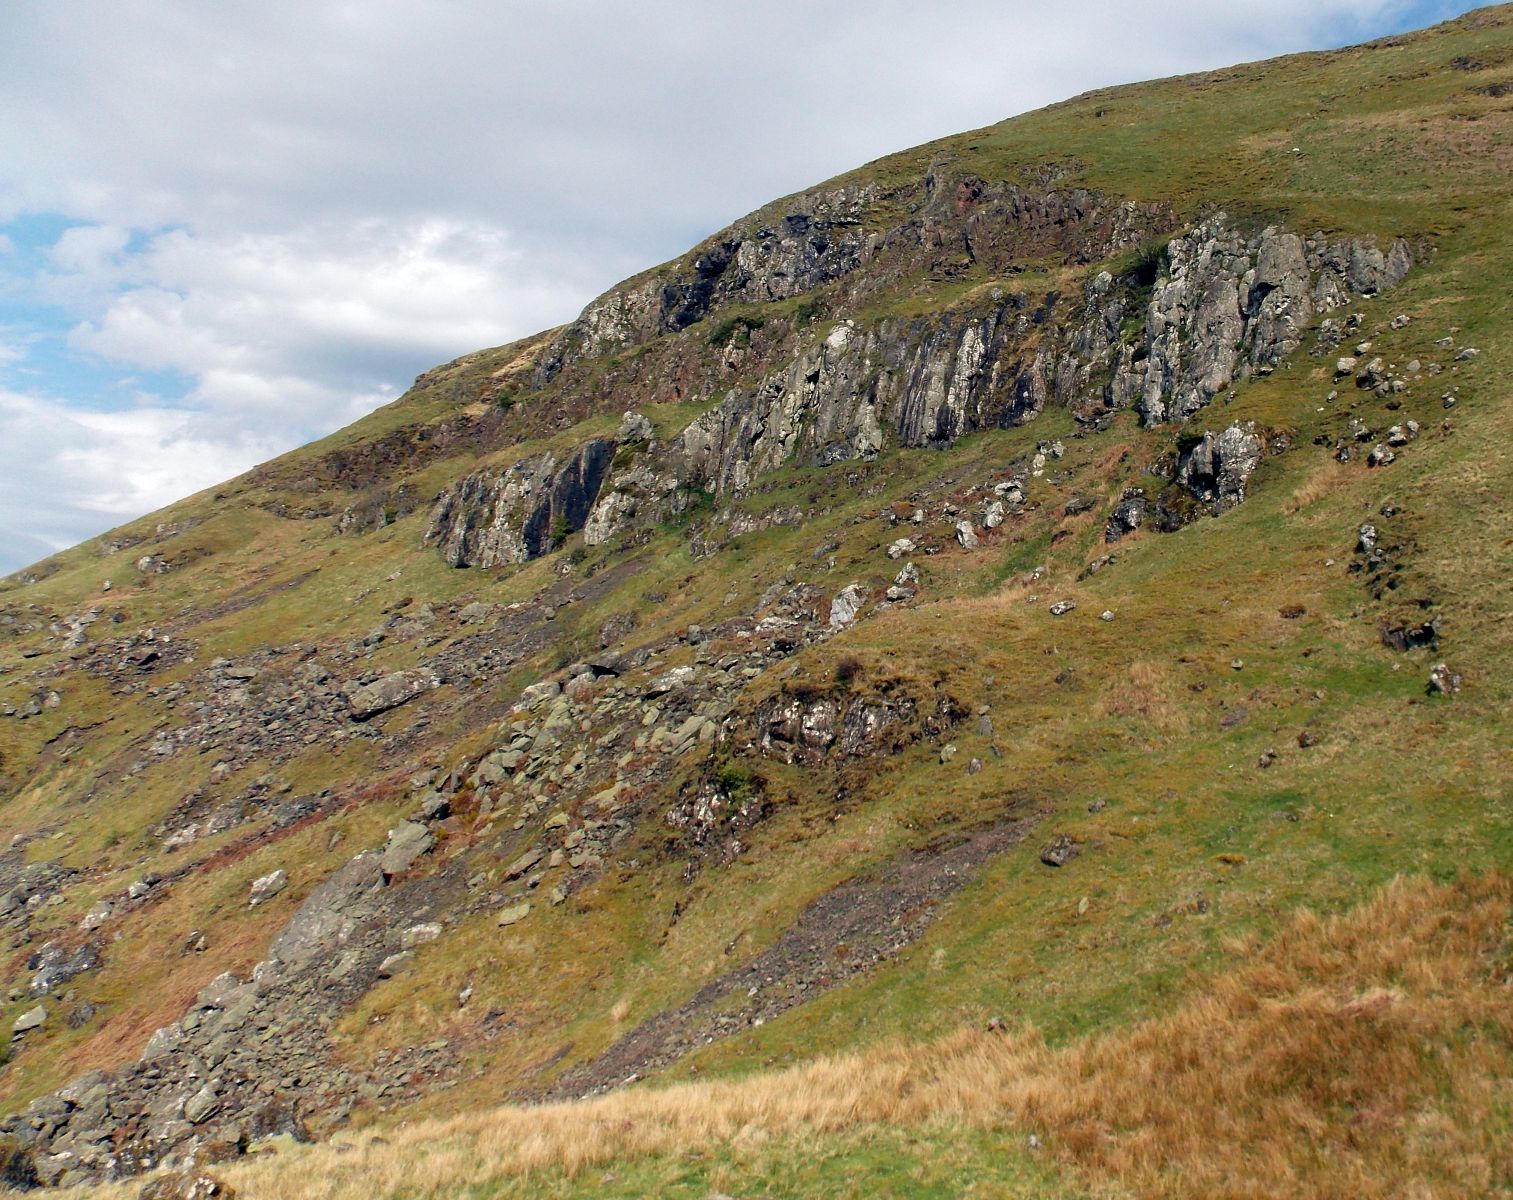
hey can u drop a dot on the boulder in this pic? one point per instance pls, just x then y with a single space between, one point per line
1059 851
1443 681
395 963
369 699
265 887
96 916
201 1106
671 681
331 913
524 863
513 914
847 605
407 841
1217 469
1128 515
419 935
32 1018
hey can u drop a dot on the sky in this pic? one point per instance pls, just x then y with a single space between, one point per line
227 229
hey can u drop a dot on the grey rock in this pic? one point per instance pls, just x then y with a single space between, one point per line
330 915
1128 515
368 700
635 427
1219 467
476 613
265 887
419 935
32 1018
1443 681
669 682
395 963
1225 304
538 694
847 605
1060 851
407 842
163 1042
221 992
524 863
513 914
494 518
201 1106
98 914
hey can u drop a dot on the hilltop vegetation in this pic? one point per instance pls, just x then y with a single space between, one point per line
884 683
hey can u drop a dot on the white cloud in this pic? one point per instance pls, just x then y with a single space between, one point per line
74 472
292 327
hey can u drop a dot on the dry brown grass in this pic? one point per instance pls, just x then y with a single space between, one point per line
1328 478
1368 1055
1148 691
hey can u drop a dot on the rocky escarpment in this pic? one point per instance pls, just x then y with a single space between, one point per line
490 518
863 239
1226 304
1165 337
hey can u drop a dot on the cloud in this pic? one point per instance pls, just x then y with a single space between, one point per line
293 327
73 472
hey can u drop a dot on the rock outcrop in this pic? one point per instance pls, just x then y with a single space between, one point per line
1181 326
1226 304
1217 469
493 518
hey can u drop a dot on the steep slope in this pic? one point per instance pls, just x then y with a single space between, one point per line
977 587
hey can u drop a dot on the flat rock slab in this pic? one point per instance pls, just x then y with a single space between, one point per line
369 699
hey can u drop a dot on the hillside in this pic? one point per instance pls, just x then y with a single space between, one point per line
868 703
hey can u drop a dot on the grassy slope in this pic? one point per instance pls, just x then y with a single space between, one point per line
1196 845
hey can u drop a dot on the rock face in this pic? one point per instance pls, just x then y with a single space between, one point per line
492 518
798 245
1217 303
1226 304
1217 469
